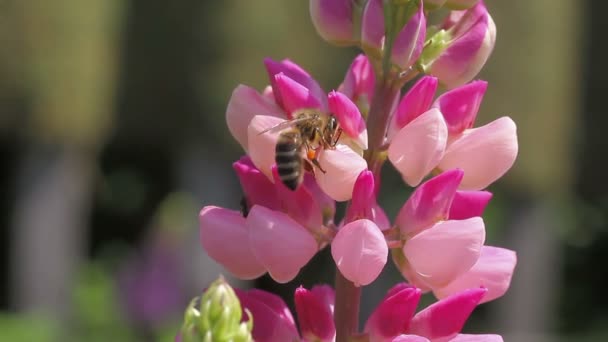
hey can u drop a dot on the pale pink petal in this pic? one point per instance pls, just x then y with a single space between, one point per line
393 315
348 116
281 244
445 318
419 146
409 42
429 203
493 271
459 106
296 73
360 251
224 236
406 270
333 20
342 166
315 317
258 189
262 145
485 153
467 204
272 320
244 104
445 251
372 25
295 95
477 338
359 82
410 338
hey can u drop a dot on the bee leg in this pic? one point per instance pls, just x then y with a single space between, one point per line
315 162
335 142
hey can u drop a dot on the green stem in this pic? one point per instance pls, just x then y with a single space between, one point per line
346 315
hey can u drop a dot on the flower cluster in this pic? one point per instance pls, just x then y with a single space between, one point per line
437 238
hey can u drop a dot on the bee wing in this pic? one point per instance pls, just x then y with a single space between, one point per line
285 124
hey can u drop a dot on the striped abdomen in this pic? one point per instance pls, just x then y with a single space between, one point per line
288 156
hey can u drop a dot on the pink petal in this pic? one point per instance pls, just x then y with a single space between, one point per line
459 106
300 204
342 166
372 25
410 41
477 338
244 104
467 204
224 236
359 82
406 270
326 203
348 116
484 153
333 20
364 197
393 315
315 316
262 145
416 101
429 203
294 95
493 271
409 338
325 294
445 318
360 251
296 73
445 251
257 187
419 146
271 316
281 244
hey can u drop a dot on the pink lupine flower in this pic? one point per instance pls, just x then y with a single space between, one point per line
415 102
279 243
271 316
484 153
315 313
467 204
294 90
409 42
493 271
333 20
394 319
358 84
363 203
459 106
472 34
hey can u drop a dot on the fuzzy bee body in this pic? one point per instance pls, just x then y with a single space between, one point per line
310 130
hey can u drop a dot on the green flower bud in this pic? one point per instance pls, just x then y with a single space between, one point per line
434 46
217 318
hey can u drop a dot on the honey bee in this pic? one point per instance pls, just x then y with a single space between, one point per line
310 130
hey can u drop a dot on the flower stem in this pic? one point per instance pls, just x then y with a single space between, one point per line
346 316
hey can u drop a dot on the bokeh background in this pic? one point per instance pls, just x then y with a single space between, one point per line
112 137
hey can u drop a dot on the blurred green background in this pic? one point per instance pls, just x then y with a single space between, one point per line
112 137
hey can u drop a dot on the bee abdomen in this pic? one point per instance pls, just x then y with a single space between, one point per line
289 163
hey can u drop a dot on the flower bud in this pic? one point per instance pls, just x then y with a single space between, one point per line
217 318
315 313
372 27
408 44
457 53
333 20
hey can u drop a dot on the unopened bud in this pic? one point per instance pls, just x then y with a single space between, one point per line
334 20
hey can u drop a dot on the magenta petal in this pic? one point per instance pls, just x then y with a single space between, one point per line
372 25
359 81
429 203
416 101
315 314
419 146
300 204
271 316
467 204
484 153
410 338
445 318
281 244
477 338
244 104
333 20
295 95
348 115
360 251
459 106
364 197
493 271
443 252
257 187
392 316
410 41
296 73
262 145
224 236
